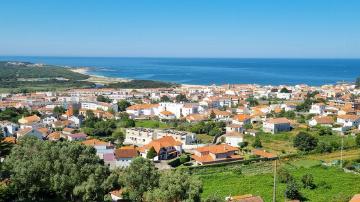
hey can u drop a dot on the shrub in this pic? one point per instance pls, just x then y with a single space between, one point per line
305 142
292 190
308 181
284 176
237 170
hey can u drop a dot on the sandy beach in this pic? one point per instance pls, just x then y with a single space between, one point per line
98 79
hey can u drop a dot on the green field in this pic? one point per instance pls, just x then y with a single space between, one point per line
150 124
332 183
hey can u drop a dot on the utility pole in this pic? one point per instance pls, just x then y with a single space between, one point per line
274 190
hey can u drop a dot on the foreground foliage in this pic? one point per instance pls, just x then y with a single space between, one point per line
39 170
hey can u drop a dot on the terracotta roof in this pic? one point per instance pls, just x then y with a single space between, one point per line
126 152
94 142
263 153
54 135
278 120
349 117
167 113
217 149
355 198
166 141
219 112
24 131
9 140
196 117
324 119
142 106
29 119
241 117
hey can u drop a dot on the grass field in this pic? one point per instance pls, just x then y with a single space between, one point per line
332 183
150 124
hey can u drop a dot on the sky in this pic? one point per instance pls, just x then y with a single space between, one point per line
181 28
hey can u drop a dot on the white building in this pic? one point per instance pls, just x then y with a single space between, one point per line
318 108
234 138
276 125
99 105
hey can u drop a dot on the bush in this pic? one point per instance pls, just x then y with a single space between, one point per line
308 181
305 142
257 143
175 162
184 158
292 190
237 170
284 176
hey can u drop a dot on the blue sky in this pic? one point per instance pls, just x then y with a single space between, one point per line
181 28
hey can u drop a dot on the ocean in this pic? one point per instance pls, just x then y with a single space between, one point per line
209 71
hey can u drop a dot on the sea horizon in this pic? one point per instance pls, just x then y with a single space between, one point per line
208 71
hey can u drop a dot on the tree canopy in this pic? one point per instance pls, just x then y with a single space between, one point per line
43 169
305 142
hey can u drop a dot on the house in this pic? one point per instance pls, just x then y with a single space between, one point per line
263 154
166 148
194 118
276 125
139 110
327 121
8 128
348 120
142 136
233 138
241 119
29 132
29 121
215 153
68 131
125 155
220 115
101 147
99 105
77 137
76 120
318 108
244 198
234 128
167 115
54 136
139 136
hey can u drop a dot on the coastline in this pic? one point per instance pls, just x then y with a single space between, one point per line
97 78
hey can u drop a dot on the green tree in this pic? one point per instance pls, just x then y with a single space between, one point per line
292 190
184 158
252 101
102 98
215 132
284 90
165 98
181 98
122 105
118 136
308 181
243 145
284 176
305 142
59 110
151 154
357 140
141 176
63 169
176 185
257 143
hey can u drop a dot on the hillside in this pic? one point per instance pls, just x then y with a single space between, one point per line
24 76
25 70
